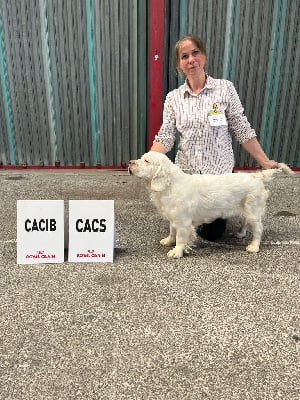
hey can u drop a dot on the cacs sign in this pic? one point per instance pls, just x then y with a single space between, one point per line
91 230
40 231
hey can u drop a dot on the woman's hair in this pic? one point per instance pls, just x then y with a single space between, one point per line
193 38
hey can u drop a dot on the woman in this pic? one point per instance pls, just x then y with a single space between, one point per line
206 112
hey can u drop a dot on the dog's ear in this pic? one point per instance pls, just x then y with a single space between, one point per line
160 180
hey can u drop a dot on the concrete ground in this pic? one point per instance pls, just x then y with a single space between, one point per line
219 324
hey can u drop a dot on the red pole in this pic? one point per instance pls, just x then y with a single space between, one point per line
156 45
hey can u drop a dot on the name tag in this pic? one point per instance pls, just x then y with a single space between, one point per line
217 119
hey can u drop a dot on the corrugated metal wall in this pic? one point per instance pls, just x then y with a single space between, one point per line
74 74
73 81
256 45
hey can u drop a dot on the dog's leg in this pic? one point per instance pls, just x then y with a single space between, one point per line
257 228
184 235
254 210
243 230
171 239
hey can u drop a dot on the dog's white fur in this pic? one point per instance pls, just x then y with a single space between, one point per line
188 201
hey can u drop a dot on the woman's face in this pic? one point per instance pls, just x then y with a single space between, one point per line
191 60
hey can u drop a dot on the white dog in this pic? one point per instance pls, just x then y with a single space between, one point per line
188 201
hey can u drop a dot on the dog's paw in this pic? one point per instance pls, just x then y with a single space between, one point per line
167 242
175 253
253 248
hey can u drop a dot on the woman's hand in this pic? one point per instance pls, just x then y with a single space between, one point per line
254 149
269 164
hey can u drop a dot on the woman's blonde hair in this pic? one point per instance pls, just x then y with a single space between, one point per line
197 42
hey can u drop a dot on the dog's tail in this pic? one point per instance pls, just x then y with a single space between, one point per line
268 174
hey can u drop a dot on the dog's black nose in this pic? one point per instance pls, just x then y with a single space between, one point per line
131 163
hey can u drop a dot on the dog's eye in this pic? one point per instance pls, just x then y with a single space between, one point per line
146 161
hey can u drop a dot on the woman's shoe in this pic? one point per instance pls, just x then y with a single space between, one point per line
212 231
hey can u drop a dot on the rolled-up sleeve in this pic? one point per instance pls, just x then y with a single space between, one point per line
167 133
238 123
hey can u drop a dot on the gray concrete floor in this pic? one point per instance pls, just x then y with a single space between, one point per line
218 324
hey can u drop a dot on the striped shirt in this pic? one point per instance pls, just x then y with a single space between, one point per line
204 148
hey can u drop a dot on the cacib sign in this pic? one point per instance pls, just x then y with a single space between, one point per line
40 231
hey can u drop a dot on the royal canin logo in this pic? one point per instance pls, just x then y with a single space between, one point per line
90 254
41 254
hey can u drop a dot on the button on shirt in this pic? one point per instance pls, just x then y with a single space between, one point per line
204 148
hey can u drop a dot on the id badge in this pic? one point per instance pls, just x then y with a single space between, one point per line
217 118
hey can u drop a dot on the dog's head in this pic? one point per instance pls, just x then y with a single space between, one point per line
154 167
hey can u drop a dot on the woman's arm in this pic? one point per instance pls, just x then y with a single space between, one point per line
241 128
159 147
165 138
253 147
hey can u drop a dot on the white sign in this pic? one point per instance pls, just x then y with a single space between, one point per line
91 230
40 231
